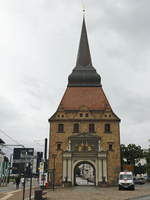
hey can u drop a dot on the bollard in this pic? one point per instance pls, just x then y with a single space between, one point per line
38 194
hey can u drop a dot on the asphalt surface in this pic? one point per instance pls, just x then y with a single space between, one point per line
81 181
147 197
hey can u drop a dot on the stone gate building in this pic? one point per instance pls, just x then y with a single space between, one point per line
84 129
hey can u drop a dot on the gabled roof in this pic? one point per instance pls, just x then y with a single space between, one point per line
91 97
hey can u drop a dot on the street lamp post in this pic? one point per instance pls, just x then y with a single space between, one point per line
54 157
30 169
27 171
24 181
27 164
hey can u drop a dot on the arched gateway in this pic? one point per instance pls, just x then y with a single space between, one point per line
84 148
84 173
84 130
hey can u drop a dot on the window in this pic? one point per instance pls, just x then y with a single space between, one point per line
86 114
107 128
76 128
125 176
81 115
110 147
60 128
91 128
58 146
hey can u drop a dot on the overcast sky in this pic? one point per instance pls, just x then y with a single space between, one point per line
38 47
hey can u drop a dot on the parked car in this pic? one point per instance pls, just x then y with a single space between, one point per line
126 181
140 180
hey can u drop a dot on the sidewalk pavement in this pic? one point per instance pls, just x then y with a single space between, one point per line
10 191
17 195
10 187
83 193
97 193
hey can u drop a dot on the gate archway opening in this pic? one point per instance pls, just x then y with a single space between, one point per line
84 174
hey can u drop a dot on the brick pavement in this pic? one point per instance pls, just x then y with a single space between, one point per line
96 193
86 193
11 193
15 195
2 195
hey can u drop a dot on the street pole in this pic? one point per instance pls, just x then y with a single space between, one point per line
30 181
54 156
24 183
53 179
45 150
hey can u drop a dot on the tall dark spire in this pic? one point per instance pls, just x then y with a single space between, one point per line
84 74
84 56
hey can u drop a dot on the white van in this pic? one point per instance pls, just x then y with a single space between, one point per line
126 181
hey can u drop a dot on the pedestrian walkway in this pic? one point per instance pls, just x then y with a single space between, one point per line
16 195
10 187
97 193
9 192
85 193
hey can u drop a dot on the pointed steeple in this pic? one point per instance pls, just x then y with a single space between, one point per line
84 56
84 74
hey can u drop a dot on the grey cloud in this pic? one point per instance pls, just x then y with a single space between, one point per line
8 112
39 42
133 107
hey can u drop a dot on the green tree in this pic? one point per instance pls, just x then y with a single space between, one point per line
147 156
140 169
131 154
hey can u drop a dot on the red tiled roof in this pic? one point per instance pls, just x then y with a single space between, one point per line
91 97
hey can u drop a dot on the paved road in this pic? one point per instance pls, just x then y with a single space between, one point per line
81 181
98 193
142 198
87 193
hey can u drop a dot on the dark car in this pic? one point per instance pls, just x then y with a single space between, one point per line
140 180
